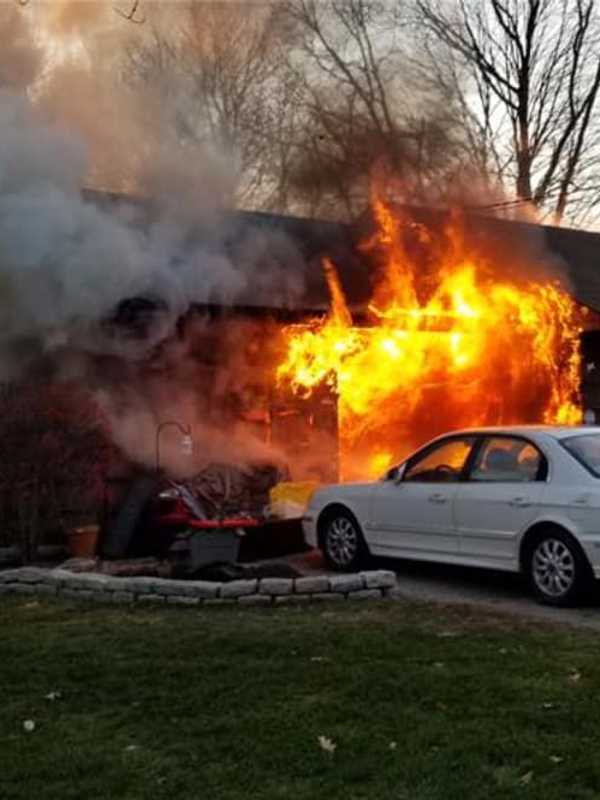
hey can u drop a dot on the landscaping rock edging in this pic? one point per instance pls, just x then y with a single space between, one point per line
375 584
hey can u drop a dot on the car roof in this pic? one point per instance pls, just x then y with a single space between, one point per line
554 431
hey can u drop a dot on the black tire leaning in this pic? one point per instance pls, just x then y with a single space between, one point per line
332 524
572 569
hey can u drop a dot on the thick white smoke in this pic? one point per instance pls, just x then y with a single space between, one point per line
66 263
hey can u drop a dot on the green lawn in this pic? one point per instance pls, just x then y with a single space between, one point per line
420 702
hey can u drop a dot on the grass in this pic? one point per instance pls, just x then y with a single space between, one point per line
421 702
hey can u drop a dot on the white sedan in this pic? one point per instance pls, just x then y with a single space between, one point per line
510 498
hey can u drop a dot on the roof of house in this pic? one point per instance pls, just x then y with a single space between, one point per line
271 247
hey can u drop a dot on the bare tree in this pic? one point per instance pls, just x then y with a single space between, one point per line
362 111
222 70
536 70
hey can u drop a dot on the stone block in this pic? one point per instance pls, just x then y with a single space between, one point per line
143 585
150 599
101 597
204 589
9 575
169 586
342 584
255 600
120 584
22 575
276 586
365 594
379 579
93 582
121 597
238 588
312 585
76 594
292 599
57 576
23 588
326 597
182 600
197 589
46 589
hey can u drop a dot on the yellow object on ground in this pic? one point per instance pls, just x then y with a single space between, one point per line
289 500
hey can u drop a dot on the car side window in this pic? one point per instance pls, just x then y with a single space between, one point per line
442 463
503 459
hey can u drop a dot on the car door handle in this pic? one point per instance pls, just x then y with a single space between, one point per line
520 502
437 497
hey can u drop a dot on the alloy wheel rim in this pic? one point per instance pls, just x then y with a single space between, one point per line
342 541
553 567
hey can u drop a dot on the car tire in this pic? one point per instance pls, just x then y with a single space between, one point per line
342 541
558 570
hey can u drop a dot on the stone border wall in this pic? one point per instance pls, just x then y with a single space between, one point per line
256 592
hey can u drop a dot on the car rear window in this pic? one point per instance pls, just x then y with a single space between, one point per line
586 449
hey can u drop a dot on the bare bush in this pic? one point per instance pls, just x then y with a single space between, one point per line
52 463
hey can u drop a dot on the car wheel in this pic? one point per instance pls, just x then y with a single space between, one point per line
342 541
558 569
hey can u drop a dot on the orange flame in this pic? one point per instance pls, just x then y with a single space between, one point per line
476 351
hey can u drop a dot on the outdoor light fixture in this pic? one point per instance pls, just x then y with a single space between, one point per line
187 442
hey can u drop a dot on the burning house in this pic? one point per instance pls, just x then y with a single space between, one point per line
325 351
406 324
340 349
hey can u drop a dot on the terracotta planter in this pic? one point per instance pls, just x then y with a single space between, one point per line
82 542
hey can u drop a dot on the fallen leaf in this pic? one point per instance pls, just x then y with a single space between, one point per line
574 676
548 705
526 779
131 747
53 696
29 726
393 745
503 651
326 744
439 664
556 759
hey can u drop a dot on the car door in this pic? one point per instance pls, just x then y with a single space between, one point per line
413 516
505 484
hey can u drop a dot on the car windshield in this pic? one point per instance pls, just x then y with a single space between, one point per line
586 449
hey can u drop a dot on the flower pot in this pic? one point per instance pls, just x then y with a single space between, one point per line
82 542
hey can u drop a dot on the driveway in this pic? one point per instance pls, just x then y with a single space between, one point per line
496 591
